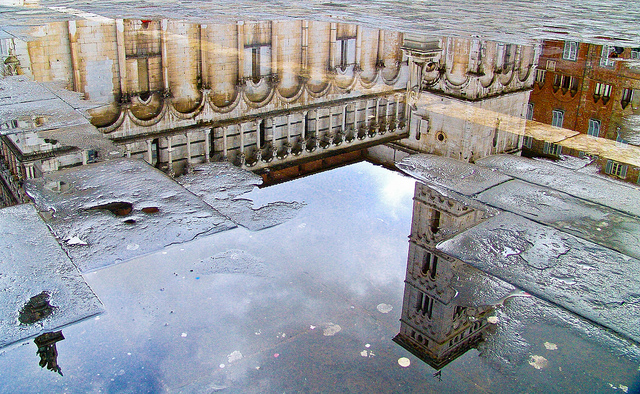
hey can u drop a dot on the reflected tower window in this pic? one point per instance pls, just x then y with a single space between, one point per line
424 305
557 118
429 265
627 96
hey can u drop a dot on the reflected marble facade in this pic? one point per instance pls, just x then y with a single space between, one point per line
255 93
266 96
478 74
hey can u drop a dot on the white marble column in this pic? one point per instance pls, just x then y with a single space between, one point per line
207 145
169 154
330 131
366 112
122 59
164 54
288 129
149 152
240 26
258 128
225 148
188 137
304 125
273 132
332 45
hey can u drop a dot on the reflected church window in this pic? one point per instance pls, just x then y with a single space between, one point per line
540 76
346 53
552 149
602 90
627 96
257 62
424 305
594 128
606 56
570 51
557 118
615 168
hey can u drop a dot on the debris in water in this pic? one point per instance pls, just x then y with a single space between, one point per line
117 208
538 362
75 241
404 362
367 353
331 330
367 345
276 355
550 346
234 356
184 335
622 387
384 308
493 319
221 365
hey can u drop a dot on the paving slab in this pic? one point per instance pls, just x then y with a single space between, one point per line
455 175
32 263
587 279
110 212
588 187
593 222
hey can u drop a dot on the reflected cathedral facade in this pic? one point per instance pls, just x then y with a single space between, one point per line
436 325
265 96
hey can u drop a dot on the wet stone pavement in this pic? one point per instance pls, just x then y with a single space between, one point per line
118 277
310 305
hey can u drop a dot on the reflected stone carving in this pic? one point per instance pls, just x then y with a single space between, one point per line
47 350
36 309
435 326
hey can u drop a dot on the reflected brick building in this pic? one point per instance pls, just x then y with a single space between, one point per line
590 89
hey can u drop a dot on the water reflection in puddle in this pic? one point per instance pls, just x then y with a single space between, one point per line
308 293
